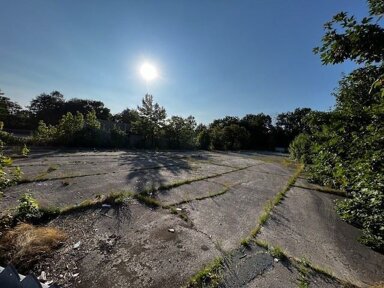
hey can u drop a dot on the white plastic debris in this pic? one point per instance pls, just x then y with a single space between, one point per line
75 275
105 206
43 276
179 209
171 230
276 260
77 245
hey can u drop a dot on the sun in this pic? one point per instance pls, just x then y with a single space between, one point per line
148 71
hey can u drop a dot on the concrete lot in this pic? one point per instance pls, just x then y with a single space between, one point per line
221 197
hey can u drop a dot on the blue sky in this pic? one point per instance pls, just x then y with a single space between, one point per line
215 57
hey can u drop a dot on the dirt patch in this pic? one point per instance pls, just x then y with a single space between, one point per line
127 247
306 225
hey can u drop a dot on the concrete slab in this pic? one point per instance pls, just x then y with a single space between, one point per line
128 247
306 225
231 217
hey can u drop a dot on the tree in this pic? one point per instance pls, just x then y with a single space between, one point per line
291 124
347 39
180 132
84 106
48 107
203 138
346 145
260 130
129 117
152 120
9 112
230 137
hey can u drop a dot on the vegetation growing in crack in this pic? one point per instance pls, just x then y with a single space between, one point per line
208 276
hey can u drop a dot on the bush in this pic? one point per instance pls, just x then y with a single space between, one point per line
203 140
8 176
300 148
28 208
118 138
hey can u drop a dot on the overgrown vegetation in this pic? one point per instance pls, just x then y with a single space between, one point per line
8 175
343 148
209 276
25 244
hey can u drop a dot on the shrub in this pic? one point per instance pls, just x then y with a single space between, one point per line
8 176
118 137
28 208
25 151
300 148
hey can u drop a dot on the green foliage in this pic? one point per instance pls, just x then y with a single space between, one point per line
45 134
25 151
118 137
28 208
348 39
8 175
231 137
91 121
208 276
300 148
346 149
180 132
291 124
277 252
152 120
203 139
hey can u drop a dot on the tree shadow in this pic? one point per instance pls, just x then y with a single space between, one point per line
153 169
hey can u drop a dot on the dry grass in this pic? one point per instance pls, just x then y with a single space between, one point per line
25 244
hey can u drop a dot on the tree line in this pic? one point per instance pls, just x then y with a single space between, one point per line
344 148
56 121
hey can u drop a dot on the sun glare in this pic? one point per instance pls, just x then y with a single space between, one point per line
148 71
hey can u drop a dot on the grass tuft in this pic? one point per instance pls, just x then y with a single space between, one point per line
277 252
209 276
25 244
147 200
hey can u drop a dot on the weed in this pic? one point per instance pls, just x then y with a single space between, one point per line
25 244
147 200
172 209
303 282
268 207
245 242
209 276
25 151
28 208
277 252
255 231
261 243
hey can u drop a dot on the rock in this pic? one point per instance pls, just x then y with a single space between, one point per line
77 245
276 260
75 275
105 206
43 276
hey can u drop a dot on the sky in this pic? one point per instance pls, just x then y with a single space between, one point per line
214 57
